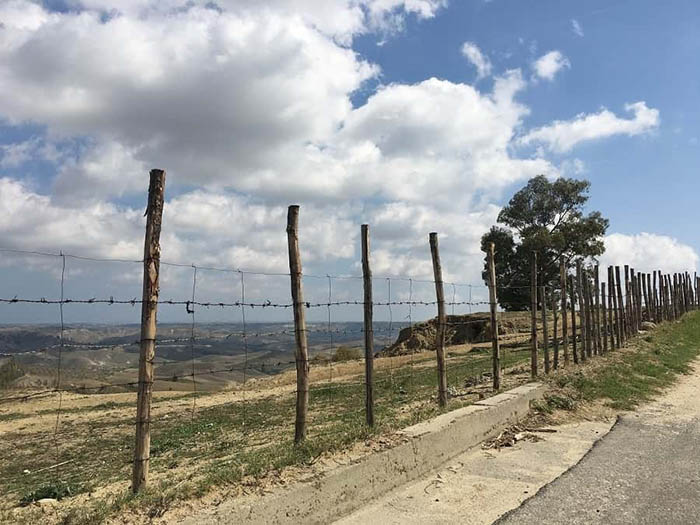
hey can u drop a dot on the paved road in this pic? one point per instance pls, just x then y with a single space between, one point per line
645 471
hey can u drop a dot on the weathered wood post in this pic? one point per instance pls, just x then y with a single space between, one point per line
572 295
545 329
149 310
533 314
555 323
582 311
493 303
564 327
302 350
621 333
596 277
441 320
605 319
628 302
587 295
612 308
369 327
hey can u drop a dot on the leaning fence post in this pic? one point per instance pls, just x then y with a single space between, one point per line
302 351
596 277
583 329
620 312
493 302
545 330
605 319
564 327
440 338
533 314
369 329
149 309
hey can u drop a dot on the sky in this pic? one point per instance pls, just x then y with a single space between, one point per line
410 115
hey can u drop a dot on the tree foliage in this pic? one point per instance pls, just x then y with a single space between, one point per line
547 218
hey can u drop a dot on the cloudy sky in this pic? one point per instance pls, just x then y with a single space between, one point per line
410 115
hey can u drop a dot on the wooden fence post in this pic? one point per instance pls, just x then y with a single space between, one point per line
587 295
620 325
612 308
628 303
302 350
596 277
564 327
440 338
149 310
533 314
581 311
555 323
572 295
369 327
545 330
493 302
605 318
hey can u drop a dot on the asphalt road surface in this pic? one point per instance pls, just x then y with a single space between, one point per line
646 470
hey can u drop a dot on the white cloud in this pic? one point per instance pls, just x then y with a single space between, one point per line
576 27
549 64
477 58
647 252
562 135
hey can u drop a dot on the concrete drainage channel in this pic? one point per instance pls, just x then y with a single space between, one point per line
427 446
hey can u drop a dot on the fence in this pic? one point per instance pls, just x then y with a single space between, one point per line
247 428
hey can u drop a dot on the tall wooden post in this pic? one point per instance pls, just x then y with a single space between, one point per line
588 313
612 309
369 327
581 311
605 319
572 295
493 302
545 330
302 350
596 277
533 314
628 304
442 321
564 327
555 323
149 310
620 325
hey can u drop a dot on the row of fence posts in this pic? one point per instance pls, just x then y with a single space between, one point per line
666 299
608 315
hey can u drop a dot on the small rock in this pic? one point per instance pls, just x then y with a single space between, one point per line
44 502
648 325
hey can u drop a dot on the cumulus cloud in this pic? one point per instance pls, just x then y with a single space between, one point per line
647 252
549 64
481 62
562 135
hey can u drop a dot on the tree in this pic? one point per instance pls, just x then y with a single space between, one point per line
547 218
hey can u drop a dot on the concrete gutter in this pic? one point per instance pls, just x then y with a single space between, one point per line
426 447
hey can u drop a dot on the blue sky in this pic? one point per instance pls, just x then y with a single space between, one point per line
411 116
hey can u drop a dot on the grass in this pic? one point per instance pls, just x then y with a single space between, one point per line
220 445
624 379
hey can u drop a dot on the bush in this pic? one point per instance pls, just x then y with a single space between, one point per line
345 353
57 490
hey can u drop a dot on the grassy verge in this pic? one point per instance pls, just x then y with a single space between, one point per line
222 445
623 379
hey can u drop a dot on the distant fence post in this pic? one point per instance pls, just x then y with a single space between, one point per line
572 295
583 329
301 351
555 339
621 332
533 314
596 277
493 302
605 318
149 309
545 329
564 327
369 329
440 339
